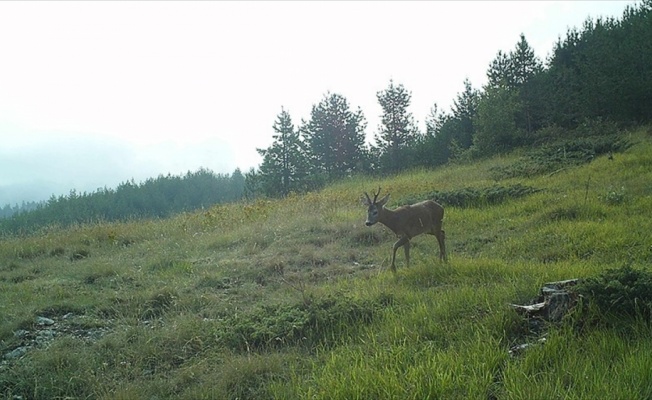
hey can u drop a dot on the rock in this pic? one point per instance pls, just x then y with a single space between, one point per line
21 333
45 336
44 321
558 305
516 350
553 287
16 353
554 302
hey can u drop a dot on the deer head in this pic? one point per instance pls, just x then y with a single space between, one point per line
374 207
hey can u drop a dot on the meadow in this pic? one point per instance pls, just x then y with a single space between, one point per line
293 298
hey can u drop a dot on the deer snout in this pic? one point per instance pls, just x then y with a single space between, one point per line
368 223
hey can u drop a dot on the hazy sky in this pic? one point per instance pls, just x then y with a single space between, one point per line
96 93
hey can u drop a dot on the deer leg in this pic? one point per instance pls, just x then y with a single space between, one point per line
441 238
406 248
398 244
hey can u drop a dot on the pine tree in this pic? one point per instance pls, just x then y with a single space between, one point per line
397 131
524 63
431 148
515 69
335 136
499 73
284 164
465 107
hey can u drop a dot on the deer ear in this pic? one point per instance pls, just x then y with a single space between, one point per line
382 201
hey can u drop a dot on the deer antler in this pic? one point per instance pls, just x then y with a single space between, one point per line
375 197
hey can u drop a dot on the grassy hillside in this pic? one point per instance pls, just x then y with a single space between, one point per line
293 298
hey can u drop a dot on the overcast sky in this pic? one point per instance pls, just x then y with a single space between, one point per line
96 93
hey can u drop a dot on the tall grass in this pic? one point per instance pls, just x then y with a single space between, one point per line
293 298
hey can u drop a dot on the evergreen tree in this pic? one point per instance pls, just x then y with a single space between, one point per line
335 137
500 72
515 69
523 63
465 107
253 186
506 116
525 67
284 163
431 148
237 184
397 131
495 121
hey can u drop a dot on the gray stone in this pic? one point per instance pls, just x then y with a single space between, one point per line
44 321
16 353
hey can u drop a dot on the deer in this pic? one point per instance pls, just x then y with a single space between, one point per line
407 222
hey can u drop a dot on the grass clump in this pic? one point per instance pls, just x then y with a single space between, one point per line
312 321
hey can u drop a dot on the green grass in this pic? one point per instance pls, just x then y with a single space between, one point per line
294 298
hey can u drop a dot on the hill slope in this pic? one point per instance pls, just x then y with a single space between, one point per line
293 298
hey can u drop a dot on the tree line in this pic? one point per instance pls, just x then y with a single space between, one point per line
596 76
600 73
154 198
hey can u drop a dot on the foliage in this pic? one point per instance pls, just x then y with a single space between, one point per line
505 117
561 154
285 165
515 69
590 76
619 292
497 130
477 197
603 70
335 137
155 198
433 148
464 110
8 210
398 130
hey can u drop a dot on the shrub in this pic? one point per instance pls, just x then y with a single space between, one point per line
561 154
619 292
477 197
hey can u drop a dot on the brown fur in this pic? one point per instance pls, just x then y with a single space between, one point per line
407 222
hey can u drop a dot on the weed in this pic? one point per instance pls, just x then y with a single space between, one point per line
615 196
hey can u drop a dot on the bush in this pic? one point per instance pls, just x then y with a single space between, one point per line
476 197
619 292
561 154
